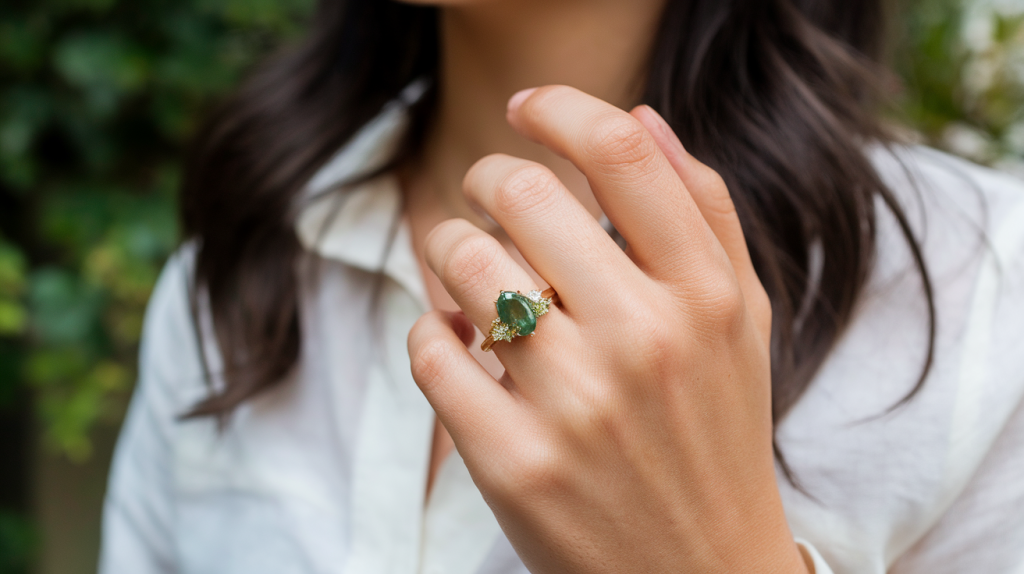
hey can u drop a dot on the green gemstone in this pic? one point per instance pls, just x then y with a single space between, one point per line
516 311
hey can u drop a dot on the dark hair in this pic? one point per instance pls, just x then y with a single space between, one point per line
777 95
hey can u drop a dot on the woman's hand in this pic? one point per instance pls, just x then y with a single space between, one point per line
633 432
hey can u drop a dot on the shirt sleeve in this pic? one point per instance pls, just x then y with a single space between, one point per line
138 515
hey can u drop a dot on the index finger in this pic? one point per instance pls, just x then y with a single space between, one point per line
637 187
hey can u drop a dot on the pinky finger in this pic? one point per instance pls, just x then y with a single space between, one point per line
712 198
467 399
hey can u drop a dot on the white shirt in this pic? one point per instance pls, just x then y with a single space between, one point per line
326 473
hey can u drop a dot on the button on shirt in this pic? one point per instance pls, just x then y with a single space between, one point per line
326 472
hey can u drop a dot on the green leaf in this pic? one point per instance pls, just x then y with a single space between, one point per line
98 101
23 42
19 540
13 317
65 310
104 64
55 367
12 270
26 110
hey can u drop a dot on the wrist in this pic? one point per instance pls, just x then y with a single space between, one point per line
764 540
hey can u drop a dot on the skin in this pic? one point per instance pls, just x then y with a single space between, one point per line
491 49
632 433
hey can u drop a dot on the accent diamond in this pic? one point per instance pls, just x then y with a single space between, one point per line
501 331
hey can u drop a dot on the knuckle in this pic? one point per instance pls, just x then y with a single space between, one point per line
761 307
643 320
731 305
715 192
659 344
709 177
761 301
725 309
537 468
593 412
617 141
525 189
471 261
654 340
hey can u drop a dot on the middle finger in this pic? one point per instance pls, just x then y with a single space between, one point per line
474 268
632 180
556 235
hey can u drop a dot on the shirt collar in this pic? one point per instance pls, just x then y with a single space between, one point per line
361 225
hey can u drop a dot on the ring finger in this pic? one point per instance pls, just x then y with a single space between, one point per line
553 231
474 268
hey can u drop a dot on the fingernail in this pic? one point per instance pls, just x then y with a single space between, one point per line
518 98
665 128
480 211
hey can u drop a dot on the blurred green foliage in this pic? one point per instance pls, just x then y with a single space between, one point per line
17 535
97 100
962 66
98 97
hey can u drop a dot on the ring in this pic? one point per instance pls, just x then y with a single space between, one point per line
517 315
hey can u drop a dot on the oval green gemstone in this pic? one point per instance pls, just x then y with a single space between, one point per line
516 311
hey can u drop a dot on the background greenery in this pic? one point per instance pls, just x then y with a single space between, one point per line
98 97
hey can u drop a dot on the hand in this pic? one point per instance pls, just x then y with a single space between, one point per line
633 432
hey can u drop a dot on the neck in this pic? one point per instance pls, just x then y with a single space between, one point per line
492 49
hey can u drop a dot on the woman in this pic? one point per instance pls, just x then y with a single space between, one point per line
806 358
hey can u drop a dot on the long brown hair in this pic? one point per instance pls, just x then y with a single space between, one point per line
775 94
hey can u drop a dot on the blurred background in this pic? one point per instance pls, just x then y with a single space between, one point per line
98 98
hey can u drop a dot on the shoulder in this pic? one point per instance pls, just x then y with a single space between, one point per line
969 223
169 303
171 362
139 529
885 476
944 194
